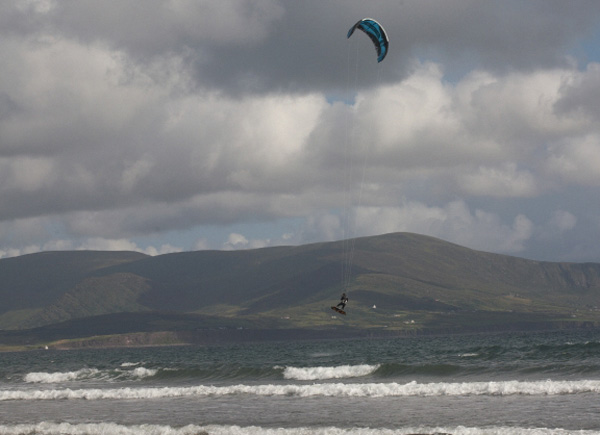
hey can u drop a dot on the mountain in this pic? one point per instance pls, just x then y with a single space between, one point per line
401 283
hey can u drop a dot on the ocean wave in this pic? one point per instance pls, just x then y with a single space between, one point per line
385 371
51 428
381 371
394 370
501 388
322 373
142 372
88 373
575 350
58 377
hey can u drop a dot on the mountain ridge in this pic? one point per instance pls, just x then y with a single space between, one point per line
401 282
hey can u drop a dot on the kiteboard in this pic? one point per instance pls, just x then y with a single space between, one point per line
338 310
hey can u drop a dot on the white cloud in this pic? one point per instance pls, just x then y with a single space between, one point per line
237 241
562 220
453 222
163 249
560 223
517 109
577 161
102 244
195 113
12 252
504 181
410 113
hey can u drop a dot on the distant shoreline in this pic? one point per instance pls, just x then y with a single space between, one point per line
231 336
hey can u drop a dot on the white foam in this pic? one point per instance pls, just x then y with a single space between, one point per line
321 373
87 373
142 372
50 428
58 377
504 388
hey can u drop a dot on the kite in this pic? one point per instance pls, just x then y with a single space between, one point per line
377 34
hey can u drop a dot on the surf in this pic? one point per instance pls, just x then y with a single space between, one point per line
88 374
52 428
323 373
366 390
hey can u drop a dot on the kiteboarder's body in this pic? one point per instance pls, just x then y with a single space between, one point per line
343 301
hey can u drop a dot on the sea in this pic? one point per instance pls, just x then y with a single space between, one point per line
512 383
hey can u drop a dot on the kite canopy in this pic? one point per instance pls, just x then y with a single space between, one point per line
375 31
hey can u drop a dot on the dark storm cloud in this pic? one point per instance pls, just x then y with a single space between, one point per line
269 45
129 118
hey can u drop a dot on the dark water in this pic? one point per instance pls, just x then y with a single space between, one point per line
534 383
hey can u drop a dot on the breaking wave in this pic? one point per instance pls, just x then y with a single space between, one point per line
322 373
88 373
127 372
51 428
58 377
503 388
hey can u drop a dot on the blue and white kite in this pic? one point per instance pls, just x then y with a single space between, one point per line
375 31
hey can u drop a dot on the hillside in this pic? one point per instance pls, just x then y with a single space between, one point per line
403 283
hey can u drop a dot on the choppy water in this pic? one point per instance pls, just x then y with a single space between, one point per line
535 383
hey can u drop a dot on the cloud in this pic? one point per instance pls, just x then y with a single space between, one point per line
577 161
260 45
454 222
126 125
237 241
326 226
102 244
506 181
560 222
163 249
201 245
580 93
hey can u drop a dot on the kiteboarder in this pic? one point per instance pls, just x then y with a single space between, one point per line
343 301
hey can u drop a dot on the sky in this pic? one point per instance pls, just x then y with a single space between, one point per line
180 125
